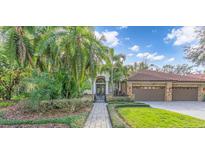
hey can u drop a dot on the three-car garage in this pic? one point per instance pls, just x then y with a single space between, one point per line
147 93
159 86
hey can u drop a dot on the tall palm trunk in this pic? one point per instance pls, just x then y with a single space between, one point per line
24 52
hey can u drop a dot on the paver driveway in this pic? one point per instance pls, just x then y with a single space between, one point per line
99 117
195 109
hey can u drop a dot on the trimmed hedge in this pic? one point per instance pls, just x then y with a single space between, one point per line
71 105
73 121
116 121
6 104
116 99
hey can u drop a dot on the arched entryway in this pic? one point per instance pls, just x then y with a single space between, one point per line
100 88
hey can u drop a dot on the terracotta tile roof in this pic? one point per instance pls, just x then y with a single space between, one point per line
198 76
148 75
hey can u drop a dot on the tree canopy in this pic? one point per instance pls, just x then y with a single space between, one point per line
196 53
71 55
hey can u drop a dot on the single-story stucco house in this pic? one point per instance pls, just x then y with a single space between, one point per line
159 86
150 85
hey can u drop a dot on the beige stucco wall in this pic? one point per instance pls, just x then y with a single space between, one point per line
129 89
200 93
168 91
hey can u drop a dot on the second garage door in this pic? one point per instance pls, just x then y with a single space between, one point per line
149 93
185 94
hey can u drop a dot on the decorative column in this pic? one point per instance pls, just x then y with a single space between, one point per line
168 91
94 88
106 88
129 89
200 93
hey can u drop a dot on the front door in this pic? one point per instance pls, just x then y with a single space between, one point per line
100 91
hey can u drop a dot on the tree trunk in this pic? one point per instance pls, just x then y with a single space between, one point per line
8 95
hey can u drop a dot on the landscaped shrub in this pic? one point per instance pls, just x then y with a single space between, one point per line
119 99
9 78
73 121
20 97
64 105
6 104
44 87
116 121
203 98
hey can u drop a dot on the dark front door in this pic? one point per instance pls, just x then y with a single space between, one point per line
100 89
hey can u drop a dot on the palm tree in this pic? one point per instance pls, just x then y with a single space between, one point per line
18 43
98 55
83 52
115 67
45 42
72 52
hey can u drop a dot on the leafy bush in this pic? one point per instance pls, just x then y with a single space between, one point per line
119 99
46 90
20 97
67 105
45 87
203 98
10 77
6 104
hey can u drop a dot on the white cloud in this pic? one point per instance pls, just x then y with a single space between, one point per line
123 27
135 48
111 37
150 56
171 59
182 35
130 55
98 35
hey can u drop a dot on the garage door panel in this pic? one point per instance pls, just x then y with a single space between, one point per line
142 94
185 94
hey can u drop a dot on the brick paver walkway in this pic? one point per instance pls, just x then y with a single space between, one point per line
99 117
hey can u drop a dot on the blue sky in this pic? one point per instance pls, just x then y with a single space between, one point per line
157 45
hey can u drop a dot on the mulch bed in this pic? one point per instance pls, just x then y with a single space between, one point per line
36 126
17 112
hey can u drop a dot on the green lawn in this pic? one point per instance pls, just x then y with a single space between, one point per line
116 121
157 118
